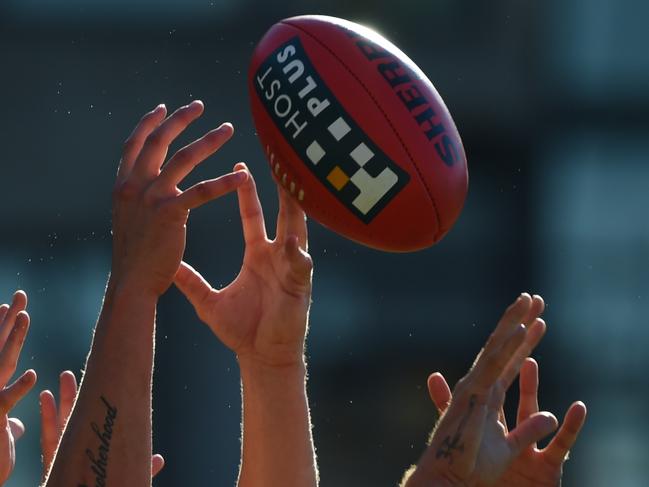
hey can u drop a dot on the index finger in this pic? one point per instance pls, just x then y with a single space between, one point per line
491 364
252 215
513 316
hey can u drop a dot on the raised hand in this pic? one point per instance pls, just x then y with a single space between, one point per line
149 227
471 445
150 212
533 467
14 324
54 419
262 314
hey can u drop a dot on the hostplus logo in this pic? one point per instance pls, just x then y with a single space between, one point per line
327 139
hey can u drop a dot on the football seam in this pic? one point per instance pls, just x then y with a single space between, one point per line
385 115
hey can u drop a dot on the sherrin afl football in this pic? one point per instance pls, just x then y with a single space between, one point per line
357 133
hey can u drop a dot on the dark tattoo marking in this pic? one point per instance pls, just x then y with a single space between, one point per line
99 463
449 445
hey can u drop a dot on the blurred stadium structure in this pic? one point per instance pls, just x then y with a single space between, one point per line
551 100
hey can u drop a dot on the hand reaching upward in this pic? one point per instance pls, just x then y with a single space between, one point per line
262 314
14 324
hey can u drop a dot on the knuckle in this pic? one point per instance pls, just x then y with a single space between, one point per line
203 190
150 199
157 138
128 145
125 191
183 157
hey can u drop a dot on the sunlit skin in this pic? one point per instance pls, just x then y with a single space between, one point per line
262 317
14 324
486 452
55 416
150 214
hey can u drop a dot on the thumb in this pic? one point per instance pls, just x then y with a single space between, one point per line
534 428
195 288
17 428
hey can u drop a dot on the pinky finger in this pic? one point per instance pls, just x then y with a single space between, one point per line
565 438
157 462
206 191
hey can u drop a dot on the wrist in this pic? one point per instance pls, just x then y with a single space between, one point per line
124 289
257 368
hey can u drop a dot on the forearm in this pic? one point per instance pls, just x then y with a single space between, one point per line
108 438
277 443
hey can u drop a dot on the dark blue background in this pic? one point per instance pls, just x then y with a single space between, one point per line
552 103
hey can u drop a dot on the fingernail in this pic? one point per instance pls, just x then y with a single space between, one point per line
160 107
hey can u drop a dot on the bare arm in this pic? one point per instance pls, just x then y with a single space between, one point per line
55 416
107 440
262 317
471 445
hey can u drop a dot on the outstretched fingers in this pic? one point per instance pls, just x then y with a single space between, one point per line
154 150
209 190
14 344
528 403
557 450
513 316
8 315
535 333
187 158
252 215
135 141
492 361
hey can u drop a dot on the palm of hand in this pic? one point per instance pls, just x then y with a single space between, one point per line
148 239
530 469
494 453
262 312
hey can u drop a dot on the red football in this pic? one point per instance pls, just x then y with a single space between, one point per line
357 133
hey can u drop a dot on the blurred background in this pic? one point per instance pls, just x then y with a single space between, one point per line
552 103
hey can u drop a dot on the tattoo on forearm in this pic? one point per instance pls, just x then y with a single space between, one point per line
449 445
99 462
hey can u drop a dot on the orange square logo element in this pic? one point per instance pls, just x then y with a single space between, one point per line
337 178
